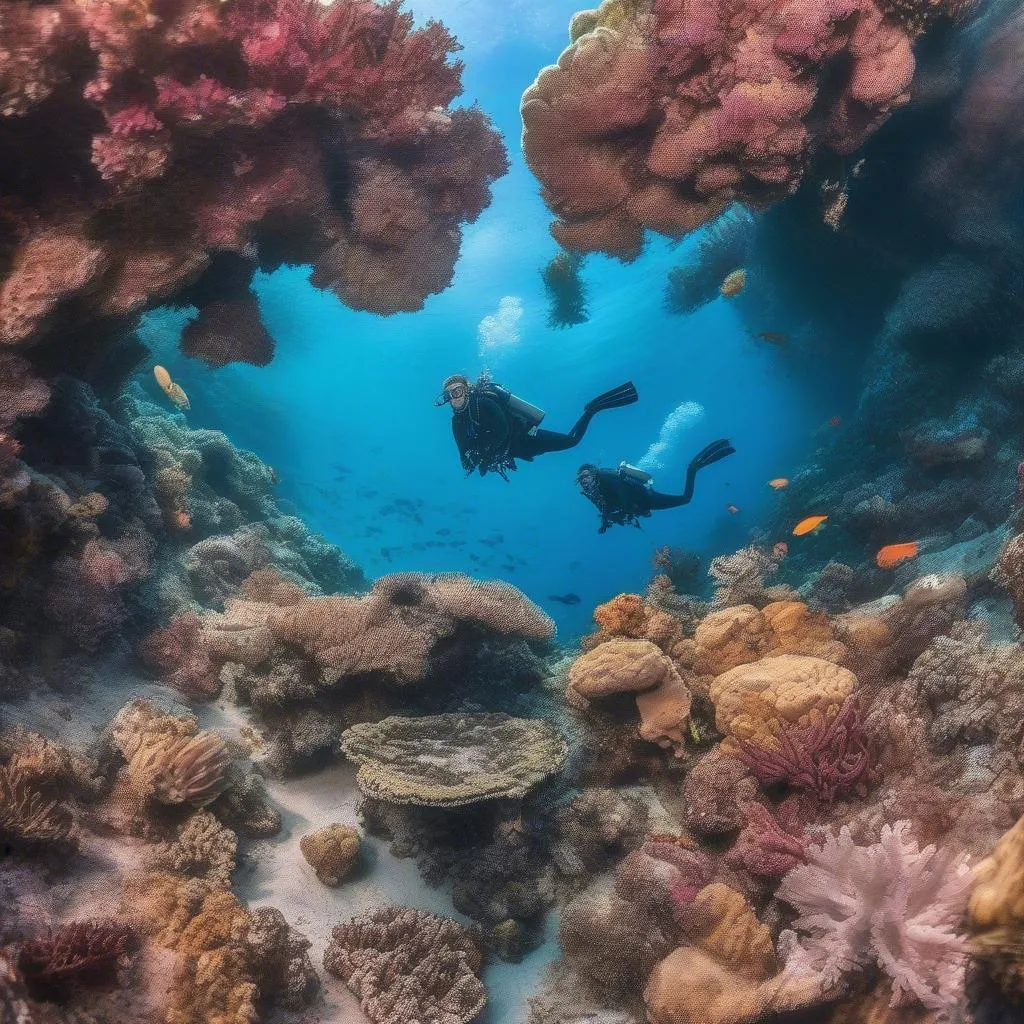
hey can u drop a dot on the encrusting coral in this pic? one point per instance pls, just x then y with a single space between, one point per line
408 965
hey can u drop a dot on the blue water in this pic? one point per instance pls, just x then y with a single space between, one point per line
345 411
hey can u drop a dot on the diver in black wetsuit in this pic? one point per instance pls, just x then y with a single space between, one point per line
625 494
493 428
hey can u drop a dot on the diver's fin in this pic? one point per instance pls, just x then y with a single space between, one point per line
624 394
713 453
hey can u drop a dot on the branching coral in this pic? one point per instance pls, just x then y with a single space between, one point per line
407 965
270 132
660 114
739 578
80 954
824 755
203 848
891 903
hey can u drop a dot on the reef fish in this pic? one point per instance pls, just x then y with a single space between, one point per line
808 525
835 421
734 283
772 337
170 389
731 508
781 549
565 598
892 554
778 483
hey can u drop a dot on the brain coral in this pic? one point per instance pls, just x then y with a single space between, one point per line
620 666
452 760
663 112
409 965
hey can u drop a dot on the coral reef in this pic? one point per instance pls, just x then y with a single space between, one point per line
175 187
452 760
659 117
407 965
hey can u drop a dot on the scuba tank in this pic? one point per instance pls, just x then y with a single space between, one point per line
529 414
629 472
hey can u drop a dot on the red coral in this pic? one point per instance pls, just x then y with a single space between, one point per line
176 654
276 130
764 848
666 117
82 953
824 756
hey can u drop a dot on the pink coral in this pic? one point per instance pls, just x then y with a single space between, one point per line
277 130
826 755
662 113
764 848
177 655
892 903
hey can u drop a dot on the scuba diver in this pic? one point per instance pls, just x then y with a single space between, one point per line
625 494
493 428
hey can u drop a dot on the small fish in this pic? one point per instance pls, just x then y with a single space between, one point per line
835 208
444 532
781 549
385 553
808 525
734 283
772 337
731 508
779 483
835 421
170 389
892 554
565 598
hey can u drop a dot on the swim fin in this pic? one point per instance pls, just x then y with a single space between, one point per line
624 394
712 453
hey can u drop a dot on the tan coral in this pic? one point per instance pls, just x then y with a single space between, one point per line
620 666
784 688
182 770
203 848
332 852
730 637
26 815
996 910
797 630
665 712
728 975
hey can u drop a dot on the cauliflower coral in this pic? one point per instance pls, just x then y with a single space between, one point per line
891 904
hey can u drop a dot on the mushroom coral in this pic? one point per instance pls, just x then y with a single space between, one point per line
215 138
891 904
409 965
662 113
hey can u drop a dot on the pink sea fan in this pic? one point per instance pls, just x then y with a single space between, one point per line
891 904
825 756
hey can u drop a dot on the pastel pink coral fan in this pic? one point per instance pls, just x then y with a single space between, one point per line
662 113
891 904
824 756
277 131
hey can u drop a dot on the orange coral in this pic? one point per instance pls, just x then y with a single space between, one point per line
625 615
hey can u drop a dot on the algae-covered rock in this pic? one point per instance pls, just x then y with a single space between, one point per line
452 760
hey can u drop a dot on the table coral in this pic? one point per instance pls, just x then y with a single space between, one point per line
660 114
452 760
217 138
407 965
891 903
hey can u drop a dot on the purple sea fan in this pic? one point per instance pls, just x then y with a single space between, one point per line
890 903
824 756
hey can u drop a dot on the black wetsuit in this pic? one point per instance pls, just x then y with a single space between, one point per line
490 436
623 500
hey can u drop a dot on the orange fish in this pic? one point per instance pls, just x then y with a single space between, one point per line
731 508
734 283
835 421
781 549
808 525
778 483
892 554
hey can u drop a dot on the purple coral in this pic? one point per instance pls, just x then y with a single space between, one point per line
891 903
764 848
824 756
